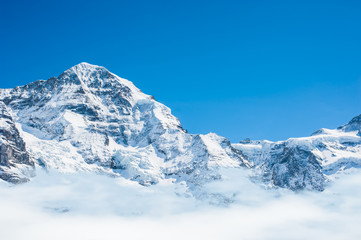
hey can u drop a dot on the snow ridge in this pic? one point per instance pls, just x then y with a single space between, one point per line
90 120
308 162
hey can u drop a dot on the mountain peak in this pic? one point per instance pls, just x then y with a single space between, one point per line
95 76
353 125
84 68
85 65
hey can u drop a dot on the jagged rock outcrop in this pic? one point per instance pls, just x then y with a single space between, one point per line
16 165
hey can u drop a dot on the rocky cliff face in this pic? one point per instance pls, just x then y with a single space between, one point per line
16 165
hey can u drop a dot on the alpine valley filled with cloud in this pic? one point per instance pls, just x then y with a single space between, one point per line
87 155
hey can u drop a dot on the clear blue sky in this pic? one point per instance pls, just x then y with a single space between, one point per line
258 69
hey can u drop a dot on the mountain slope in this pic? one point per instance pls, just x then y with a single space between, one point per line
308 162
16 166
89 119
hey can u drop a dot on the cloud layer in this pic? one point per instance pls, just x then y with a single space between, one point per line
64 206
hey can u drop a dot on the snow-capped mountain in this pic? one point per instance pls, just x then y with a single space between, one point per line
90 120
308 162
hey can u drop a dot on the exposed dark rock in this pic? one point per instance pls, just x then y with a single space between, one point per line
13 154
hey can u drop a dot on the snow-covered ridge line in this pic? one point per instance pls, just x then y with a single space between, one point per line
307 162
90 120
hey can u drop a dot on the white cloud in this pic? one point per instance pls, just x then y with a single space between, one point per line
64 206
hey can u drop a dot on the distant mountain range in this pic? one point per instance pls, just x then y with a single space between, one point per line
90 120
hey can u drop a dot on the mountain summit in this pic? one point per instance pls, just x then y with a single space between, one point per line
90 120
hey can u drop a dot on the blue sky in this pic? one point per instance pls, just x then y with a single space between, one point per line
258 69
